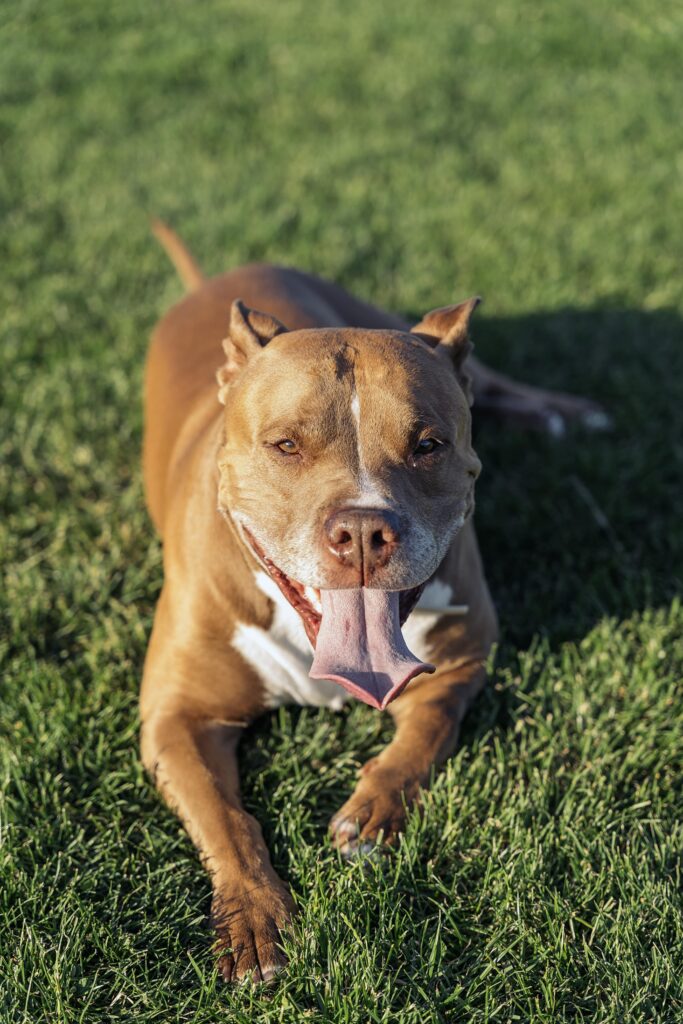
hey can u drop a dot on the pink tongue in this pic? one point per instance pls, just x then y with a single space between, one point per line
360 645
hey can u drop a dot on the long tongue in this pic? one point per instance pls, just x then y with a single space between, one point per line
360 645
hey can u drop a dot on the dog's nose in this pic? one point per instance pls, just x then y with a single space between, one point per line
362 539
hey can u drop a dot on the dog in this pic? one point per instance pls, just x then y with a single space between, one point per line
313 483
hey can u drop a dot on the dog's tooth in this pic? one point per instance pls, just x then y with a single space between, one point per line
313 597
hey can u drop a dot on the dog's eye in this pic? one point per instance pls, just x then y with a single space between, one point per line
288 446
426 446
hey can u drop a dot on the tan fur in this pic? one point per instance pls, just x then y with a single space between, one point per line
210 468
189 271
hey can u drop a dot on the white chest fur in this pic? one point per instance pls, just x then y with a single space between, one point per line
434 599
282 655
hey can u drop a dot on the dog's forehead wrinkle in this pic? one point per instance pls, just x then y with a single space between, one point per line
385 364
345 361
350 346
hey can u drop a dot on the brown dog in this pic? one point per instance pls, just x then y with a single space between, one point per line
308 502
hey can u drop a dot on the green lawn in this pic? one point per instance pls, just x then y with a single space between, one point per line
417 153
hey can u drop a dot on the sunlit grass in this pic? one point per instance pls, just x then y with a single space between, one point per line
418 155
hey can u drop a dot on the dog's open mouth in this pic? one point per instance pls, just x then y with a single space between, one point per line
356 634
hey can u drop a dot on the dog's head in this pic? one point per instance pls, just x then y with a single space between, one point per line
347 463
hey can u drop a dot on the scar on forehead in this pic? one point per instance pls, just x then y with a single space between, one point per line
344 361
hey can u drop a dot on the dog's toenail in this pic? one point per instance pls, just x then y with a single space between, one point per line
596 420
359 850
345 829
269 973
555 424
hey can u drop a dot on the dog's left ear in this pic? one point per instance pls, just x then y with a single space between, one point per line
447 328
249 331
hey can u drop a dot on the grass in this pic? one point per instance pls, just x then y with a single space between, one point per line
416 154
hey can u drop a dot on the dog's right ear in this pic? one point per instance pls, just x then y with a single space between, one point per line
248 333
447 329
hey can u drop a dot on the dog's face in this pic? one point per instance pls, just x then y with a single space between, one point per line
347 459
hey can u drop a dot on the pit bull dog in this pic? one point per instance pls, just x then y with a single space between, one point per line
313 483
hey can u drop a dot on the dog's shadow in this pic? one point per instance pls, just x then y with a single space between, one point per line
575 529
571 530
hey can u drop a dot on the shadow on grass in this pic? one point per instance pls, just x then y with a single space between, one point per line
587 526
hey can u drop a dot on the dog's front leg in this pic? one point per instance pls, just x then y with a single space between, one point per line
193 760
427 717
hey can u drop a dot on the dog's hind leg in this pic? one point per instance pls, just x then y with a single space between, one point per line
535 408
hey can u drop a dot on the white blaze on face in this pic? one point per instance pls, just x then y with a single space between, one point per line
369 495
421 547
355 409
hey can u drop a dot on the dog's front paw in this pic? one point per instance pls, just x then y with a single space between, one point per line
248 926
376 810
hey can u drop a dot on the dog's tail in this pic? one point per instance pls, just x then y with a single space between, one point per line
188 269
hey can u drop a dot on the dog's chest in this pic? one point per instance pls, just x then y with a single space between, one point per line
282 655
